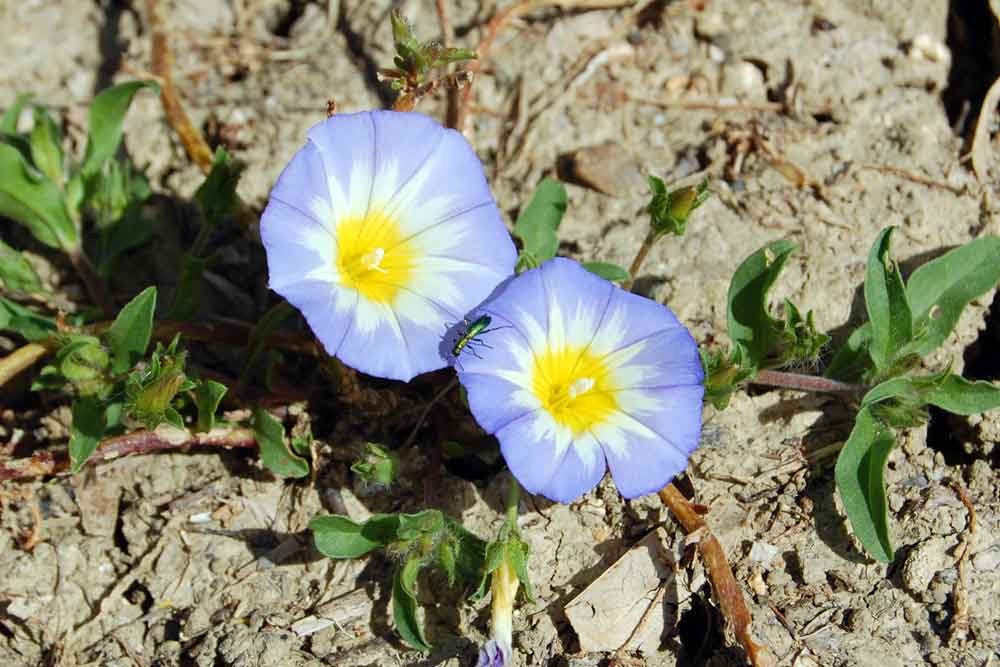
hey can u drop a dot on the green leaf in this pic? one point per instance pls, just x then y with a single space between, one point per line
470 551
852 361
16 273
860 474
46 146
888 307
750 325
131 231
86 431
274 453
404 607
207 397
217 195
35 201
129 334
339 537
106 115
899 388
377 465
29 324
940 289
958 395
536 226
8 122
517 553
608 271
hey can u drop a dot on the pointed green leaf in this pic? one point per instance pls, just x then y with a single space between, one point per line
888 307
274 452
860 474
536 226
16 273
207 397
129 334
106 115
25 322
940 289
339 537
8 122
86 431
35 201
608 271
751 327
404 611
216 196
46 146
958 395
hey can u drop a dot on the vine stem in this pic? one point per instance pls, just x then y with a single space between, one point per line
640 257
513 498
727 592
806 382
138 442
20 360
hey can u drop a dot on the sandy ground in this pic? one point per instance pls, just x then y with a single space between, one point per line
846 91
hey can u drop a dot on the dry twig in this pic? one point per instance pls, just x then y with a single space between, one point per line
162 61
960 621
910 176
727 592
981 138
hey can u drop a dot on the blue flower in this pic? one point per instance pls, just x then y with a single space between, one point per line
492 655
498 652
382 231
577 376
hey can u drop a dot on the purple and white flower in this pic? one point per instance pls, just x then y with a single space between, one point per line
382 231
578 376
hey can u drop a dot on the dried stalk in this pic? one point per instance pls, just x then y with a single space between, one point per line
20 360
727 592
806 382
162 62
138 442
960 620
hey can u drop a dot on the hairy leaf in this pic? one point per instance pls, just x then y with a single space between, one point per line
274 453
940 289
404 610
860 475
536 226
963 397
35 201
106 115
207 397
16 273
888 307
25 322
86 431
46 148
129 334
751 327
608 271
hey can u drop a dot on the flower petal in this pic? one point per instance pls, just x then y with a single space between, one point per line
645 453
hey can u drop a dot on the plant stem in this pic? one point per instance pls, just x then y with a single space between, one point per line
640 257
806 382
95 284
513 498
727 592
19 360
138 442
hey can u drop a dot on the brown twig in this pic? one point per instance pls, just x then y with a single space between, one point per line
981 137
727 592
493 28
703 105
162 62
910 176
138 442
960 620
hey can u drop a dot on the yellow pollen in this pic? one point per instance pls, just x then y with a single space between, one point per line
373 257
575 387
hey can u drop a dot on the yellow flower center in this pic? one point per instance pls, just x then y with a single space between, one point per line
575 386
372 256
